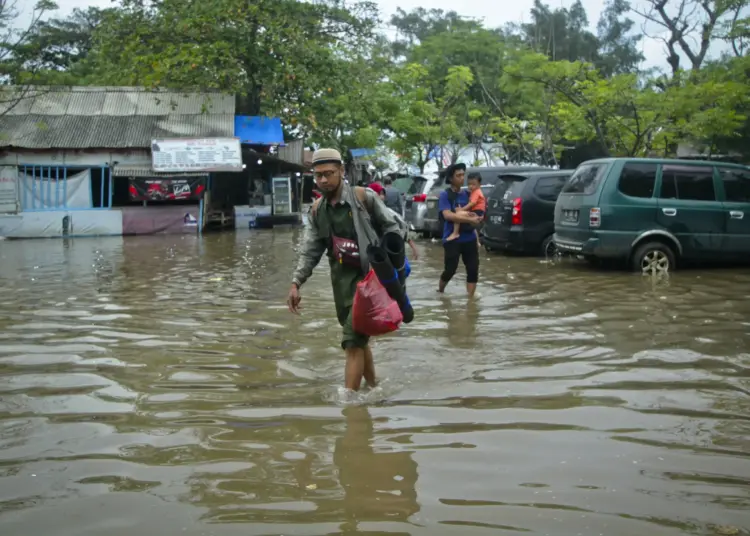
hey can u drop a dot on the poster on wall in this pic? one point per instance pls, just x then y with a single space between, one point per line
8 189
196 154
164 219
177 189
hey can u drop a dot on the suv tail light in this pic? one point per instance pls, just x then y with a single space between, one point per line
516 218
595 217
419 198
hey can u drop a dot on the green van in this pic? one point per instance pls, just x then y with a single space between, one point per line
655 213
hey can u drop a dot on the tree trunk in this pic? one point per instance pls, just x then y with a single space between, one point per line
250 104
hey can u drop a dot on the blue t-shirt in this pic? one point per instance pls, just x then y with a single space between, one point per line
462 199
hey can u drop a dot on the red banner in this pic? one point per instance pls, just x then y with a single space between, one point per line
182 189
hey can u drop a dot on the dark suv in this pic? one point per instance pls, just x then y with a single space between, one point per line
521 212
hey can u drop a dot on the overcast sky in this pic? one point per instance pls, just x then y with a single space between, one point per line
493 14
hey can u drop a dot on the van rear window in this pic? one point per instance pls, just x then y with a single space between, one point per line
513 183
585 180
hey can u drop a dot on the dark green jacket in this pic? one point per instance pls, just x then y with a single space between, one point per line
367 216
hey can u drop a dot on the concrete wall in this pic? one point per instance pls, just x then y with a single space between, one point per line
50 224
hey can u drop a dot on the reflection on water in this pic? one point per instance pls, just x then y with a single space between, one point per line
158 386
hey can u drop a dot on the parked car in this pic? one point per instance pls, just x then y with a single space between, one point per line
490 177
409 186
655 213
416 200
521 212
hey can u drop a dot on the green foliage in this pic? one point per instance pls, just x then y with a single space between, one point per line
279 55
445 82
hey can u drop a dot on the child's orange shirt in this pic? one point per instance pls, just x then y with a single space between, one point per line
480 203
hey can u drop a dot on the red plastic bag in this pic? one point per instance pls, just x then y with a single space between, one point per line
374 312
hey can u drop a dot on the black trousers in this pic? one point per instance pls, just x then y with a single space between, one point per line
468 252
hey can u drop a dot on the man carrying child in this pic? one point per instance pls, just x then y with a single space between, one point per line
477 202
465 246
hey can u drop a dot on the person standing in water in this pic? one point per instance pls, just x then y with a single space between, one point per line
465 247
343 222
477 203
393 198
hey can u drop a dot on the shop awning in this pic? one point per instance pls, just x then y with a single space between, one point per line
144 170
254 130
362 153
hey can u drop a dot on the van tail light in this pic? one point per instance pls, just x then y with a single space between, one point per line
516 218
595 217
419 198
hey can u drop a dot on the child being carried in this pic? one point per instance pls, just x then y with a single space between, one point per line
477 202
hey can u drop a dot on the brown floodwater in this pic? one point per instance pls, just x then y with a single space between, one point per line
158 386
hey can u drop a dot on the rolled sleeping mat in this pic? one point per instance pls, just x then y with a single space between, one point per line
395 247
388 277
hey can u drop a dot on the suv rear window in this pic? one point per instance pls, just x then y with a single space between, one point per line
416 185
511 183
637 180
549 188
489 178
585 180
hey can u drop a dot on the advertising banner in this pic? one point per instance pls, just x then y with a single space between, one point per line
176 189
194 154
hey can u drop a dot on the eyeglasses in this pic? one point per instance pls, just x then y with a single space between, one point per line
327 174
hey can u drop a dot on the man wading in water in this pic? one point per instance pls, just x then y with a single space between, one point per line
463 247
344 222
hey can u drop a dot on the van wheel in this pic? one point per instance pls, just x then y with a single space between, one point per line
549 248
654 258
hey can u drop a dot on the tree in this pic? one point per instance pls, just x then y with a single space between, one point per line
721 124
689 27
417 121
420 24
277 55
561 34
12 40
629 118
346 116
618 46
57 50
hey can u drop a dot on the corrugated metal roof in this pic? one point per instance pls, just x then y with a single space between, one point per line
106 131
119 104
145 170
86 103
110 117
294 152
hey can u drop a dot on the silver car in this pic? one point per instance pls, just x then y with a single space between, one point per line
416 201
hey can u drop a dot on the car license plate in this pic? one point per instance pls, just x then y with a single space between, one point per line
431 204
570 215
496 219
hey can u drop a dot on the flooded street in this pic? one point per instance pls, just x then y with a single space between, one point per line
159 386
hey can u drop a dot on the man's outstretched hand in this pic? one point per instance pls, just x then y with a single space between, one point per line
293 299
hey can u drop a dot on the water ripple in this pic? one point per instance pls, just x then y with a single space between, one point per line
163 378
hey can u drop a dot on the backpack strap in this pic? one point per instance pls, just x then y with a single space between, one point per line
362 197
452 197
314 208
